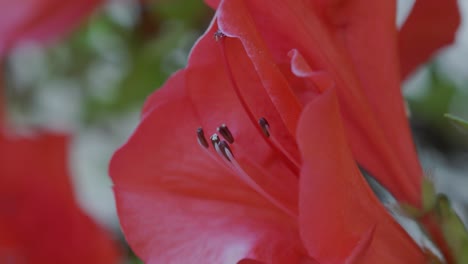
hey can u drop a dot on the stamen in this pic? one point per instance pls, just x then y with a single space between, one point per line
264 126
224 148
214 140
224 131
225 153
201 138
214 156
219 35
220 146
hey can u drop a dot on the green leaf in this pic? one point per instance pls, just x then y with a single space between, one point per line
454 231
429 195
457 121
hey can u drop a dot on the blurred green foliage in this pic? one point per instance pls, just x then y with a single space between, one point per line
453 229
457 121
429 110
116 64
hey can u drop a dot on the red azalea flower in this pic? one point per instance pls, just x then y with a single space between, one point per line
39 20
40 221
278 183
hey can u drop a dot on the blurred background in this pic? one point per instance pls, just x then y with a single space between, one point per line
94 81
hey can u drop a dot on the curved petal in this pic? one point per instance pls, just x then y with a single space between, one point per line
430 26
368 33
39 20
37 208
372 106
178 201
341 221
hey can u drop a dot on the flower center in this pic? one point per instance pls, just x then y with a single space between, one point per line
223 150
248 169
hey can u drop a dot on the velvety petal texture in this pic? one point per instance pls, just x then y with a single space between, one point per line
431 25
40 221
341 220
39 20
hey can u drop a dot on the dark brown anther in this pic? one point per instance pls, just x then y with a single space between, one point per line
219 35
264 126
201 138
214 140
224 131
225 149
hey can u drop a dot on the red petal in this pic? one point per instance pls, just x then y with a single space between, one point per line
39 20
177 202
341 221
234 21
213 3
46 154
341 46
373 51
38 210
207 83
430 26
212 91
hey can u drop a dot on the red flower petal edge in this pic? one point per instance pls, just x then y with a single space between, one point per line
430 26
341 220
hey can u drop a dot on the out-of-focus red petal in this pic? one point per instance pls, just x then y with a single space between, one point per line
372 107
179 203
37 206
39 20
430 26
213 3
39 160
341 221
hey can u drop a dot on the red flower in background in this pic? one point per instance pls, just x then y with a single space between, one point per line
40 221
296 92
39 20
